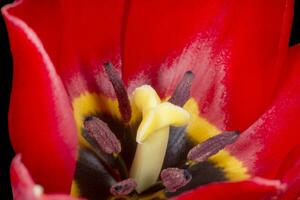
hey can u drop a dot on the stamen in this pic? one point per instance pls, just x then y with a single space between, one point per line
174 178
120 90
105 138
213 145
178 145
124 187
113 160
182 91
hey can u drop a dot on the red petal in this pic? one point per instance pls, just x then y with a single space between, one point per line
266 143
41 121
78 36
289 173
59 197
257 188
236 49
23 185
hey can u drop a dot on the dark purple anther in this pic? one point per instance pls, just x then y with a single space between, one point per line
175 178
182 91
104 137
213 145
120 90
124 187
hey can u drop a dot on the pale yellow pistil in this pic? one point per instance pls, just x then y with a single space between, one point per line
153 135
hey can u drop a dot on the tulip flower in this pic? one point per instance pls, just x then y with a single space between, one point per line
154 99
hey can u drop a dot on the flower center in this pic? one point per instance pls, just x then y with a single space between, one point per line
147 169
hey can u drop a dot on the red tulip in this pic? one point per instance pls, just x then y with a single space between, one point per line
246 78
